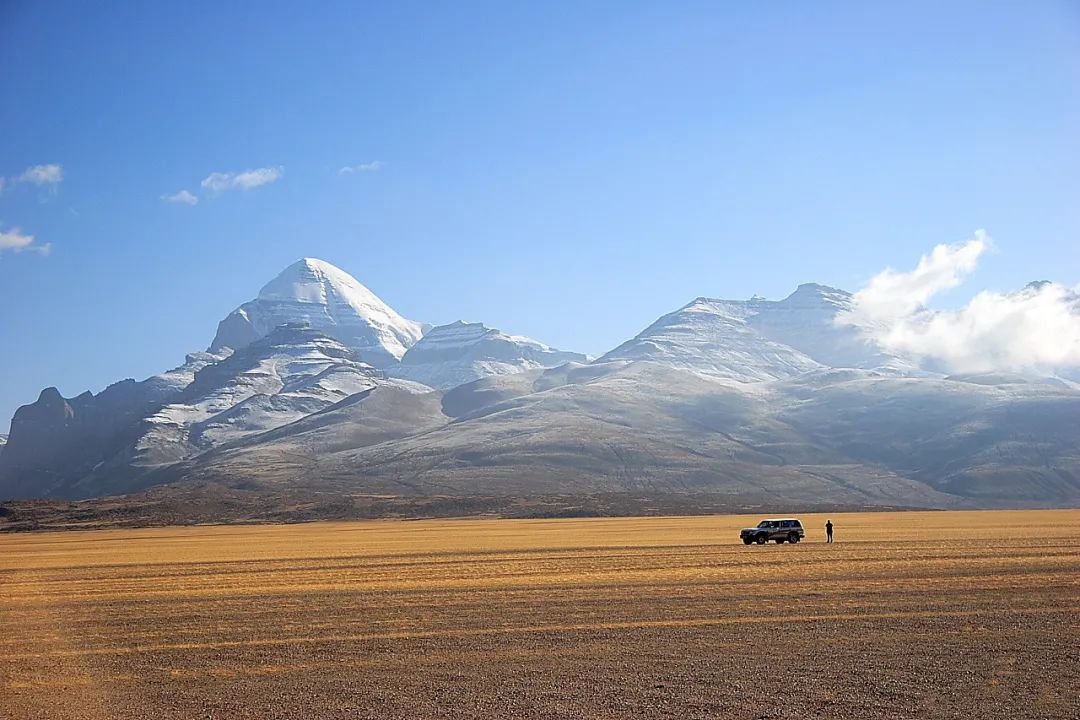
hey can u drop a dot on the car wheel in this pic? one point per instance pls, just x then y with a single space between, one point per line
793 538
761 539
747 541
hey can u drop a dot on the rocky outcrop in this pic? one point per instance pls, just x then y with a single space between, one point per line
55 439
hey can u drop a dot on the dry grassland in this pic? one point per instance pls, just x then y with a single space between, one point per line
908 615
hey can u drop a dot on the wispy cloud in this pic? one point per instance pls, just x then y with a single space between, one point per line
1034 329
43 175
373 166
17 241
48 177
221 181
183 197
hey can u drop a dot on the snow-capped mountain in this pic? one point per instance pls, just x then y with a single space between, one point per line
755 401
289 374
454 354
714 337
76 446
310 339
756 339
805 320
315 293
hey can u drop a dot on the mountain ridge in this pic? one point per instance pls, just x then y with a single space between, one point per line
317 386
460 352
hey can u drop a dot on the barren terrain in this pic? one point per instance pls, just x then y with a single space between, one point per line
908 615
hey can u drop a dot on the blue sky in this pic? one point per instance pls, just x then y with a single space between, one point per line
568 171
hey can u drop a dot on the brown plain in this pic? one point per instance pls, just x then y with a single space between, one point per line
908 615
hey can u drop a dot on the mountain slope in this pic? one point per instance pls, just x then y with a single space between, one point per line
315 293
849 437
290 455
1010 444
639 428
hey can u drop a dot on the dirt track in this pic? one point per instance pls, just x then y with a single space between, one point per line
908 615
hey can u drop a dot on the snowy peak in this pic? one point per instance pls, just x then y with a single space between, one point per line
713 337
316 281
757 339
315 293
454 354
805 320
815 295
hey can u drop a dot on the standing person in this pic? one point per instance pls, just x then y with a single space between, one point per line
828 530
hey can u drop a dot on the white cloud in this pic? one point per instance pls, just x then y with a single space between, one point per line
891 294
15 239
50 175
44 176
254 178
217 182
373 166
1034 329
220 182
183 197
18 241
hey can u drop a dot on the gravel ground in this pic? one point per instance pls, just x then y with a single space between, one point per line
908 615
